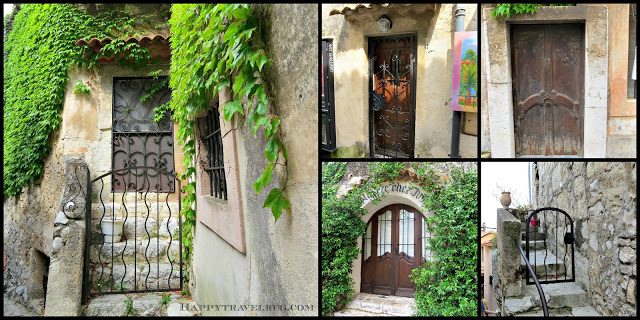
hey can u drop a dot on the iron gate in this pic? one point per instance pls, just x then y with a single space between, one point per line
146 254
392 81
547 219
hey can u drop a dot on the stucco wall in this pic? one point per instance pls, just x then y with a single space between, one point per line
281 259
435 30
601 199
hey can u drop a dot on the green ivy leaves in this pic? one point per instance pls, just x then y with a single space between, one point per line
212 42
38 51
507 9
448 286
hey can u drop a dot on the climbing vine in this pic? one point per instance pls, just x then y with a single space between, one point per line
216 46
39 49
447 286
507 9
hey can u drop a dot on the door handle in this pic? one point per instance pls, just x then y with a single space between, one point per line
378 101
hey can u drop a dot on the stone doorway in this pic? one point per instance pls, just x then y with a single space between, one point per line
38 278
496 34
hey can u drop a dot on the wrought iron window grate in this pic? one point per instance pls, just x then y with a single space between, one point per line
211 137
137 140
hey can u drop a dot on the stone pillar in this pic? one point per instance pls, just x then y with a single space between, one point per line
509 255
64 290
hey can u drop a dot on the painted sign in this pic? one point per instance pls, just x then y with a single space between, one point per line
398 188
465 72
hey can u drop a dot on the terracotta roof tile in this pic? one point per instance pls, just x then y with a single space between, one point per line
157 44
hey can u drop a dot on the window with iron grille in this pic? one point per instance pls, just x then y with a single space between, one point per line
212 161
137 140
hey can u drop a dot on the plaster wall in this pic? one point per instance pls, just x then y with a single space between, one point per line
435 29
279 266
601 199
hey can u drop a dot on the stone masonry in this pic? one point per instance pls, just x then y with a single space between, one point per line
600 197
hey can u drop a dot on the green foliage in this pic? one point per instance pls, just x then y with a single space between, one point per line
129 309
39 48
210 43
507 9
448 285
81 87
165 298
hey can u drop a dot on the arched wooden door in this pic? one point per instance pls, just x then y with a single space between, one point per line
392 247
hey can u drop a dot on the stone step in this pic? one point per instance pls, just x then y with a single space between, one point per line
142 277
532 236
141 249
533 245
586 311
130 209
144 227
358 313
558 295
147 304
544 263
382 305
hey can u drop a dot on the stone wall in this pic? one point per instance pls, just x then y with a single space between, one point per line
28 224
280 263
434 27
601 199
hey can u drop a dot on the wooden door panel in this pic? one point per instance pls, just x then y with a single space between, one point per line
392 98
548 88
395 251
384 274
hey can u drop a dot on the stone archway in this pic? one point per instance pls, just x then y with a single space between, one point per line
397 192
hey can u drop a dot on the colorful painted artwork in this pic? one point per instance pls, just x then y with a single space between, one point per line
465 72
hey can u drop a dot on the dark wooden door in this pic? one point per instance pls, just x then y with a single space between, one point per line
547 64
391 249
392 75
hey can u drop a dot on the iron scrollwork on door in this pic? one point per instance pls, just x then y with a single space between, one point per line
137 139
392 96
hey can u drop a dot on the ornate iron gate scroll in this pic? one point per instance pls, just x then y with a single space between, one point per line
548 218
392 98
148 257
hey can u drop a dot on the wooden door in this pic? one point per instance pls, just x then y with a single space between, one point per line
547 64
391 249
392 95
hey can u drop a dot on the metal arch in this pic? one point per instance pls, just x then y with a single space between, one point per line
568 237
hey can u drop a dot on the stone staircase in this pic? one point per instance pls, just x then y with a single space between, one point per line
563 299
375 305
153 248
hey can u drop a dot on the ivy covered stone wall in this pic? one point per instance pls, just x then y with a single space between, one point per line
601 199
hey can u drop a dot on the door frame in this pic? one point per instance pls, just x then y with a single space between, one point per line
414 77
394 289
580 97
499 90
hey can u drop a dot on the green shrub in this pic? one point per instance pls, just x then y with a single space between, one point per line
448 286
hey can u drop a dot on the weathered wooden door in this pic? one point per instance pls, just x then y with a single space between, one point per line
392 75
391 249
548 88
